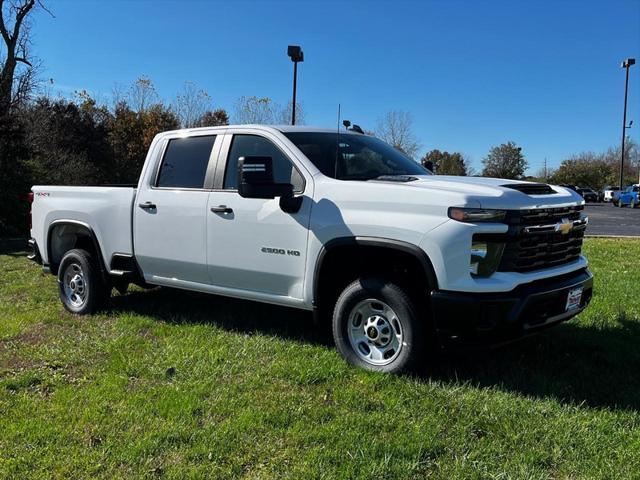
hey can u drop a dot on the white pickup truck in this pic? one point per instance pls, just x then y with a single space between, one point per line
335 222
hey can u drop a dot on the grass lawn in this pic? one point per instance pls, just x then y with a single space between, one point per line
178 385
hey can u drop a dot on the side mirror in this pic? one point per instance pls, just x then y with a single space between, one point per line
255 179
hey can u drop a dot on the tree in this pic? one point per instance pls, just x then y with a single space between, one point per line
446 163
68 142
264 111
191 104
585 170
505 161
16 64
396 128
285 114
131 134
255 110
142 94
595 170
213 118
14 176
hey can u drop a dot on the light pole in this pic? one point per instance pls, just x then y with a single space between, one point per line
296 55
626 64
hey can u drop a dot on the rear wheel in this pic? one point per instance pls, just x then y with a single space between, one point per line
376 327
82 290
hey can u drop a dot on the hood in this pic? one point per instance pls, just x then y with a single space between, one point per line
498 192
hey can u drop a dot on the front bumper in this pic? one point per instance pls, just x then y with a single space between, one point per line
468 319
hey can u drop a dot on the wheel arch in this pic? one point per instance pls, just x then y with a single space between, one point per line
376 244
64 235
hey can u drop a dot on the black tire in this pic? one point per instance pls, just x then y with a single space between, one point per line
410 351
79 274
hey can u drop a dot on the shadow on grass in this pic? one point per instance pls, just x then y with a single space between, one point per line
573 364
181 306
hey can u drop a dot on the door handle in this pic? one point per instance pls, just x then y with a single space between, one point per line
147 205
222 209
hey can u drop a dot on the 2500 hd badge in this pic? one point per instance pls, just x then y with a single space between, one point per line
280 251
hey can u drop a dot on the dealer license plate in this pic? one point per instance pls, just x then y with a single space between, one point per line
573 299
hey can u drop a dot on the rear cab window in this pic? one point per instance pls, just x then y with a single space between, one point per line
185 162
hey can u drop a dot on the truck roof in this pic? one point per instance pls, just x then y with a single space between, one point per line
280 128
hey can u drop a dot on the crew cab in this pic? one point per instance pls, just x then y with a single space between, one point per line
339 223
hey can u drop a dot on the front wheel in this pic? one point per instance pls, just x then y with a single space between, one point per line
80 283
376 327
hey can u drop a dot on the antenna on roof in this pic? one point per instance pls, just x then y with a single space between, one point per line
335 165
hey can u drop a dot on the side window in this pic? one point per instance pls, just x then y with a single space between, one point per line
185 161
253 145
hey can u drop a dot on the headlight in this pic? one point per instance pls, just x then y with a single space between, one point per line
476 214
485 257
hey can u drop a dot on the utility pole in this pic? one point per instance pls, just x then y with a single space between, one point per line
626 64
545 169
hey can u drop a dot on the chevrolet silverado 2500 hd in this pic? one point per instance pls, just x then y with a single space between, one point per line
339 223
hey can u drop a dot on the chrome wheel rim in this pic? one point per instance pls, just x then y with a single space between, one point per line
375 332
74 285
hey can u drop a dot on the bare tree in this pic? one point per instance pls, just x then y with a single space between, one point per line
396 128
191 104
255 110
142 94
16 64
285 114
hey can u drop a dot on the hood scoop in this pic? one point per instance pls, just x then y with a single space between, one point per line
531 188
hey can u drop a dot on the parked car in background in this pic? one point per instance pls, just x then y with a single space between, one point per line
629 196
609 193
588 194
572 187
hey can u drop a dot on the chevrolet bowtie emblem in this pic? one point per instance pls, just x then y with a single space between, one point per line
564 226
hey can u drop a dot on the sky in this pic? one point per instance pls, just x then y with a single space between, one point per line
473 74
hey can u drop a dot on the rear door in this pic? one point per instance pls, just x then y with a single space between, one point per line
170 216
253 245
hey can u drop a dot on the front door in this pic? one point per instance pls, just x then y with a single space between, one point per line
170 215
252 244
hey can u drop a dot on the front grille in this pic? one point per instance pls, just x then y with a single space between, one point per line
533 243
543 216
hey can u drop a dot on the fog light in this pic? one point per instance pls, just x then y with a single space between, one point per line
485 257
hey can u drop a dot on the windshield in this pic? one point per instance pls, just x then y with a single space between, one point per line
358 157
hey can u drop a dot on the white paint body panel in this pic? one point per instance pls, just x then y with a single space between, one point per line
184 245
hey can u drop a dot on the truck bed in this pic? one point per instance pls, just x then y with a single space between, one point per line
106 210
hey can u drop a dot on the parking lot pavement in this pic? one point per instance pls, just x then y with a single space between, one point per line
605 219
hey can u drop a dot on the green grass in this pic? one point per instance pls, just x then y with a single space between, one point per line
177 385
